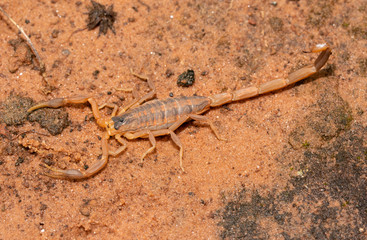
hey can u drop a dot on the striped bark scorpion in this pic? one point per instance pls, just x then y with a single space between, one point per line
162 117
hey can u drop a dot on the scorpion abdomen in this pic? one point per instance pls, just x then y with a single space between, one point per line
160 114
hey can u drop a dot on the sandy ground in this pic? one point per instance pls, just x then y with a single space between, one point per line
294 163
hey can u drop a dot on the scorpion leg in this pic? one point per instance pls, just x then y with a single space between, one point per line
75 174
143 134
152 141
205 119
120 149
152 134
175 139
196 117
180 122
178 143
113 106
138 101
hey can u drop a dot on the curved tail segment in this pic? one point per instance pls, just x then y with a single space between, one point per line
298 75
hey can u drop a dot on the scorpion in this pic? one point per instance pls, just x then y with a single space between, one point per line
147 118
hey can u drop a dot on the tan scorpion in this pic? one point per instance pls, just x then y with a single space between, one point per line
162 117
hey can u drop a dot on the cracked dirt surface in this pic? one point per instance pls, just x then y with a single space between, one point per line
295 161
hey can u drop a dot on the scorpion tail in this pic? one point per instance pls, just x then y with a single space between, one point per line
298 75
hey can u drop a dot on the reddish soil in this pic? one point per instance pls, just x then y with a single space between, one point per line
294 164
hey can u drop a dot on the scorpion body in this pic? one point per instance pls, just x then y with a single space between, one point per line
162 117
160 114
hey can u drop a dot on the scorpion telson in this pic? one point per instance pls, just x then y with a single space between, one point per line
162 117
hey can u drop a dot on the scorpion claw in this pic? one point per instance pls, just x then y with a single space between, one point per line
59 102
68 174
54 103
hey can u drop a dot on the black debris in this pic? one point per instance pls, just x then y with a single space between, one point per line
186 79
98 15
